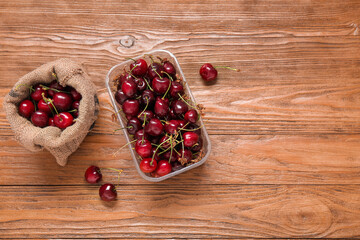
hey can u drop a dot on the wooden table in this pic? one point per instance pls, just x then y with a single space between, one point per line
285 130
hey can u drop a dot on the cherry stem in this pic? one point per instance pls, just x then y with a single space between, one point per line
133 69
47 101
49 88
167 91
234 69
152 159
172 147
147 104
22 84
122 128
74 110
147 83
182 143
124 146
168 75
183 127
193 129
130 59
187 102
153 68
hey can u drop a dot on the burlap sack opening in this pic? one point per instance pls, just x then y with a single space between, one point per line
59 143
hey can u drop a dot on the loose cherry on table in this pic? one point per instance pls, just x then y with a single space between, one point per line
209 73
93 174
107 192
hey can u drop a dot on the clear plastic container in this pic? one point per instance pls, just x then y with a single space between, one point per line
114 72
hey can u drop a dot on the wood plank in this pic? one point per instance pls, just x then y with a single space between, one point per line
167 211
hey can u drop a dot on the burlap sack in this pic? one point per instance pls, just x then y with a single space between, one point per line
59 143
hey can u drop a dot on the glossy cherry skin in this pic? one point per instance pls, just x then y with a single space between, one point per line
141 84
40 119
62 101
169 68
169 156
172 114
191 116
26 108
123 77
154 127
161 108
133 125
176 89
45 107
208 72
140 134
63 120
172 126
143 148
76 96
160 85
146 116
55 85
148 96
181 123
51 122
148 165
156 155
107 192
154 70
120 97
93 174
185 156
131 107
165 142
139 67
179 107
75 106
190 139
37 95
163 168
129 88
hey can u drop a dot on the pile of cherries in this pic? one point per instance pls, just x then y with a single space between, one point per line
51 105
160 117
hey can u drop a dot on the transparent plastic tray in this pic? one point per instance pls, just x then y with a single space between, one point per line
114 72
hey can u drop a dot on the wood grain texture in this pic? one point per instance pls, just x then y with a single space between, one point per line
285 130
188 211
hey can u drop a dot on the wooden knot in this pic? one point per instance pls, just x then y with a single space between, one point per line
127 41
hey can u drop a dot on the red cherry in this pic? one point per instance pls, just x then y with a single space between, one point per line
129 88
181 123
133 125
141 84
55 85
208 72
154 127
63 120
76 96
143 148
39 119
45 107
148 96
140 134
197 147
131 107
163 168
160 85
172 126
120 97
176 89
93 174
51 122
185 156
161 107
170 156
179 107
107 192
165 142
26 108
169 68
149 115
139 67
75 106
156 155
148 165
191 116
62 101
37 94
190 139
154 70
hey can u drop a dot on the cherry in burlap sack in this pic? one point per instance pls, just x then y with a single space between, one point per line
60 143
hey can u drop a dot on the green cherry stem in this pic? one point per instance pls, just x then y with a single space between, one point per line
234 69
124 146
187 102
153 156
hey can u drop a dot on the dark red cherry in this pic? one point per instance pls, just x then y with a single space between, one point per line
176 89
169 68
154 70
107 192
63 120
181 123
146 96
191 116
160 85
51 122
141 84
163 168
123 77
139 67
140 134
120 97
172 114
145 116
37 95
93 174
62 101
76 96
165 142
170 156
161 108
156 156
26 108
172 126
154 127
133 125
143 148
129 88
55 85
148 165
208 72
195 128
184 156
40 119
45 107
131 107
190 139
197 146
154 139
179 107
75 106
175 166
